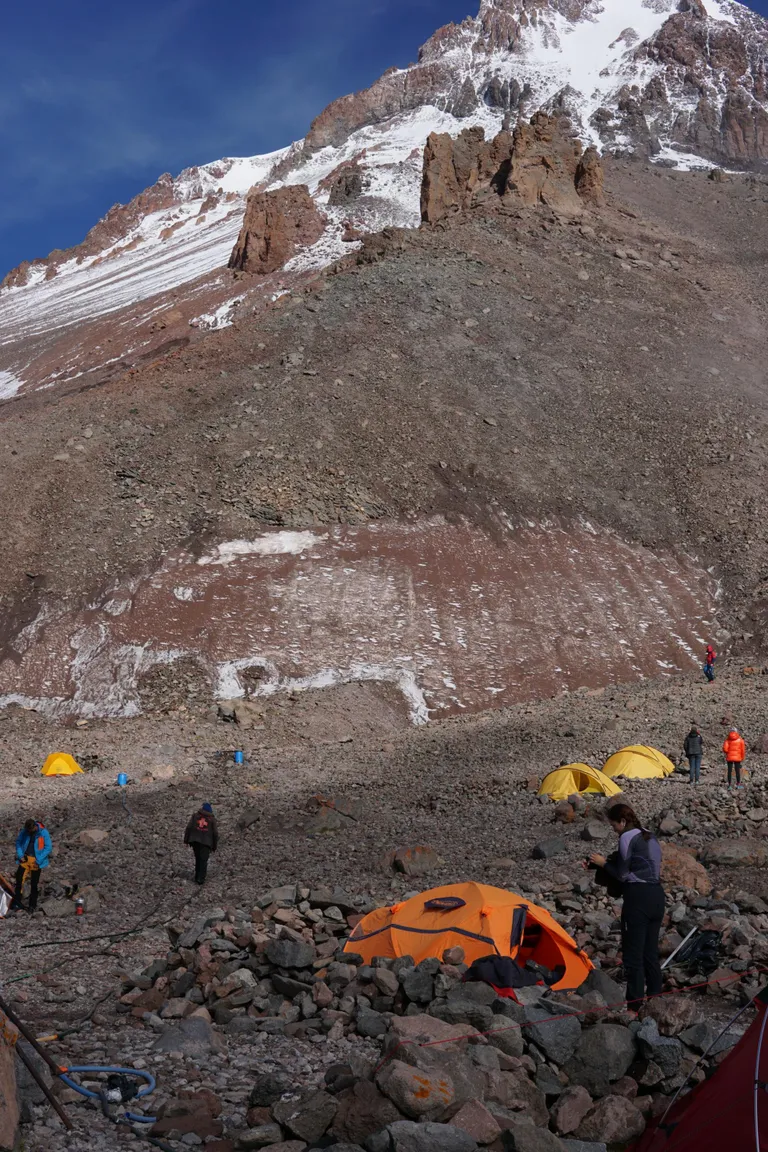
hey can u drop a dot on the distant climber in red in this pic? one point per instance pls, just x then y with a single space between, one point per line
709 663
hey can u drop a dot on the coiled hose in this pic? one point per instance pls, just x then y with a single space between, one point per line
146 1090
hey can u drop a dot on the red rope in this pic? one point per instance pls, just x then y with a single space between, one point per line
563 1016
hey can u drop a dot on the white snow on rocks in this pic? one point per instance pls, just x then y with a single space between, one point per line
9 385
276 544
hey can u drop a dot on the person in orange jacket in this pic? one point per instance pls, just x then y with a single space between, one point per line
735 750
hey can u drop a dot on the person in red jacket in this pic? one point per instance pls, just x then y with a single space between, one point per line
709 663
735 750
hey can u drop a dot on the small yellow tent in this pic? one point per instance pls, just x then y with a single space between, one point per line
639 762
60 764
564 782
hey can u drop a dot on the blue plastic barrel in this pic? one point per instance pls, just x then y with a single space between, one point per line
239 758
122 779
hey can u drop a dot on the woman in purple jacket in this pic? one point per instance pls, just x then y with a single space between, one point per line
637 867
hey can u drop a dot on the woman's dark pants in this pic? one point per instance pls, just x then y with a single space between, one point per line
641 919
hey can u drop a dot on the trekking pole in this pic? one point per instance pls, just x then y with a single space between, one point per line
682 944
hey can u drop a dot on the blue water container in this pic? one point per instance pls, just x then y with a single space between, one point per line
239 758
122 780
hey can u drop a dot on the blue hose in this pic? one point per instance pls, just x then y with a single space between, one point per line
147 1090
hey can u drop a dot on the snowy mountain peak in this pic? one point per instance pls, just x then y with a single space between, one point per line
679 80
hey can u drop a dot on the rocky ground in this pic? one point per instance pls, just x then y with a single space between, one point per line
319 819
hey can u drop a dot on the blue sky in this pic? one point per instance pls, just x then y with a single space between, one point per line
98 98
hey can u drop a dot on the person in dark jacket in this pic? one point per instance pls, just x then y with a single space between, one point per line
637 867
203 836
33 850
694 750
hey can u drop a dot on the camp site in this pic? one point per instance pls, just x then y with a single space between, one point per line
384 595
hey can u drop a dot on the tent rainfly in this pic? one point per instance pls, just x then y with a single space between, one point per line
573 778
60 764
730 1110
638 762
484 921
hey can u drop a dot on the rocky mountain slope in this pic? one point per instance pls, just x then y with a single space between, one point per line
517 450
676 79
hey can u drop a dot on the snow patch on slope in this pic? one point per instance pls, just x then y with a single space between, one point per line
9 385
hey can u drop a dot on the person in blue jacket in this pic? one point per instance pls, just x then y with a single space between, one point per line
33 850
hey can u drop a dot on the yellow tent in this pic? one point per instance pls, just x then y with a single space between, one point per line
61 764
638 762
564 782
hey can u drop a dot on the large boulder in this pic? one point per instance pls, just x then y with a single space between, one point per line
673 1014
416 1093
515 1092
477 1122
192 1037
680 869
665 1052
742 853
603 1056
570 1109
557 1035
276 224
308 1116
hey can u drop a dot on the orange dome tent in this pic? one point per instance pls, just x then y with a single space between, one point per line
481 920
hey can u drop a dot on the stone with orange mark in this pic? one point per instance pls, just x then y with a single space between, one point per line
416 1093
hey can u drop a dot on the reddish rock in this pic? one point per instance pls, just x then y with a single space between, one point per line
415 861
276 224
363 1110
540 164
679 868
590 177
673 1014
613 1120
571 1108
475 1119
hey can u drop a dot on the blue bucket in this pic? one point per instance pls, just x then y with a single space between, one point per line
122 780
239 758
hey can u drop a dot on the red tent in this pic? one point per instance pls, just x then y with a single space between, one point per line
730 1110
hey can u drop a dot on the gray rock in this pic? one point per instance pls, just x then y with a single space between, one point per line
242 1026
193 1037
476 991
558 1039
371 1024
268 1088
601 982
526 1137
506 1035
307 1117
58 909
595 830
189 938
665 1051
553 846
261 1136
418 984
285 897
603 1056
407 1136
290 954
462 1012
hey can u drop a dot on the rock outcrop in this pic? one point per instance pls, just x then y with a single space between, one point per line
540 163
276 225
